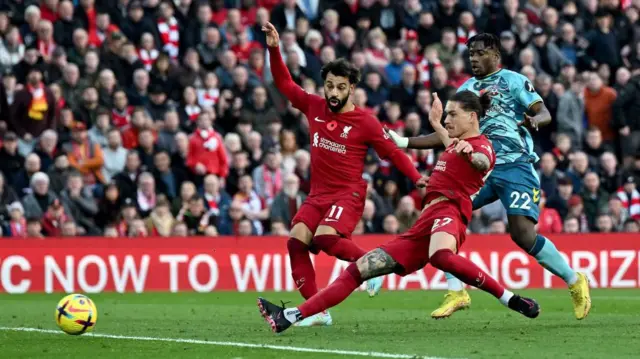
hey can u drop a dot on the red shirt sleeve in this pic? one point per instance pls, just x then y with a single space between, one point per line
484 146
192 160
385 148
222 154
299 98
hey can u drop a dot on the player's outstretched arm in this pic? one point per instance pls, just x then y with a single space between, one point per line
281 76
479 157
420 143
435 118
541 117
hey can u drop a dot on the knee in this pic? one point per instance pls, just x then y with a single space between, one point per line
301 233
325 230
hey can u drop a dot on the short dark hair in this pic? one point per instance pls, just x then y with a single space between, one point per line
490 41
341 67
471 102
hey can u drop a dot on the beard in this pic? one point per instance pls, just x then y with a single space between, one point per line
337 104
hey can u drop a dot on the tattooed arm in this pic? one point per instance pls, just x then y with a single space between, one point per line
375 263
480 161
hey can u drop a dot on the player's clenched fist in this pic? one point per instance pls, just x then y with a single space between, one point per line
422 182
273 39
462 147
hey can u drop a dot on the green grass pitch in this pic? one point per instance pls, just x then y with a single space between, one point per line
396 323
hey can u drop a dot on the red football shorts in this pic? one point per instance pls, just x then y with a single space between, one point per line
341 213
411 249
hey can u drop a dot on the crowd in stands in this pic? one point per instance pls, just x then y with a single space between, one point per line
159 118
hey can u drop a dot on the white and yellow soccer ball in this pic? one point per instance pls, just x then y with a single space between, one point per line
76 314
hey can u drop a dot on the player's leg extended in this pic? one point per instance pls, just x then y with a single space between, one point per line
302 270
328 240
442 255
519 191
522 230
373 264
457 298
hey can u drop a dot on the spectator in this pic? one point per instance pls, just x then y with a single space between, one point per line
137 229
47 149
594 146
7 197
497 226
598 105
548 57
618 213
253 206
268 177
206 151
390 224
610 175
22 180
603 42
16 224
630 197
11 49
559 202
59 172
578 169
109 206
549 220
160 222
34 228
126 180
85 155
82 207
114 155
11 162
146 197
69 229
406 214
33 110
195 216
98 133
187 191
595 199
40 199
548 174
168 180
571 225
288 201
604 223
631 226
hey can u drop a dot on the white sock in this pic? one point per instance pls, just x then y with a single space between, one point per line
455 284
506 296
573 279
292 314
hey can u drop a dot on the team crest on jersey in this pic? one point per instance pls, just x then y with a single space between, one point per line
529 87
345 131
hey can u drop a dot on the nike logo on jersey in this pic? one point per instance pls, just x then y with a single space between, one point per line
317 119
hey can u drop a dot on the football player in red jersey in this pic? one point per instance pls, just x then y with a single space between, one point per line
341 135
440 230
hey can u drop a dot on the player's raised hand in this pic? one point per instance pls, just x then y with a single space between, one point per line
463 147
529 122
273 39
400 141
435 114
422 182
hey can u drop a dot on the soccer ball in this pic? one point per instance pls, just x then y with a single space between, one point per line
76 314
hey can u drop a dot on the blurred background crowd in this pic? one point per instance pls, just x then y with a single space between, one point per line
158 118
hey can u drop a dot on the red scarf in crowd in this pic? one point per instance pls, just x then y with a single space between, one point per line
170 35
192 112
272 182
38 106
121 118
424 71
46 48
463 36
148 57
19 228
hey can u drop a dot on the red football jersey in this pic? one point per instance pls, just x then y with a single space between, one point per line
339 141
455 178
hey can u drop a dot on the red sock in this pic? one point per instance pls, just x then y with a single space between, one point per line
301 268
334 294
336 246
466 271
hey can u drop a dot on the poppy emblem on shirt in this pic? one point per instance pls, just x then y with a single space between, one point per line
332 125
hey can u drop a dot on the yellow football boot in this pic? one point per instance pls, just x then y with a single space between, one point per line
580 296
453 301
